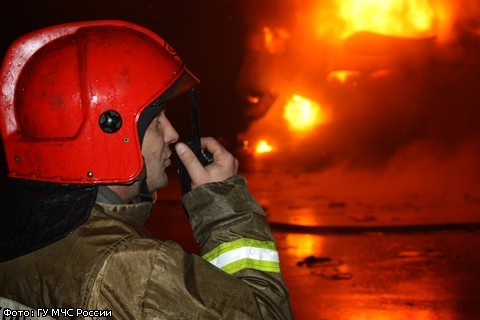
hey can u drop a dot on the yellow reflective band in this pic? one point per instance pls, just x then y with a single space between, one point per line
245 253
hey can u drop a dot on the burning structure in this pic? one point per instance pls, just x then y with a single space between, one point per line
362 77
391 86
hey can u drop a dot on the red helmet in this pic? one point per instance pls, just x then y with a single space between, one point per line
72 95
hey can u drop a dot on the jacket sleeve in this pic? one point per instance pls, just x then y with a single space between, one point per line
234 235
237 277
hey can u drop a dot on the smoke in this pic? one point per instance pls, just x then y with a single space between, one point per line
406 113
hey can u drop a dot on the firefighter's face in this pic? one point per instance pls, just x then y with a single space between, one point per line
159 135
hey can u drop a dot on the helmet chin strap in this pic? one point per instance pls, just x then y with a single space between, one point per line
143 194
146 117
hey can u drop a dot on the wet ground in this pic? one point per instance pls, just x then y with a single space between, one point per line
354 255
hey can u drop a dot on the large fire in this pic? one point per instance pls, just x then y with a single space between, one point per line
339 19
335 53
404 18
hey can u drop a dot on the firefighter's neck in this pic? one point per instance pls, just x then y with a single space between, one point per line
126 192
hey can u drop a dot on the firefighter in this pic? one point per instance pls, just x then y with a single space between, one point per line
87 142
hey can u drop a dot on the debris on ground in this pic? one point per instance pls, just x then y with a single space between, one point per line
333 273
328 268
311 260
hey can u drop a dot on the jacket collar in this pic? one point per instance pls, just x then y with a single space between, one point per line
110 204
138 212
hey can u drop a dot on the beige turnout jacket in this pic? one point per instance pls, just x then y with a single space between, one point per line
110 266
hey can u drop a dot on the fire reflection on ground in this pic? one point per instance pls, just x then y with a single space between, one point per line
359 275
394 315
303 245
365 276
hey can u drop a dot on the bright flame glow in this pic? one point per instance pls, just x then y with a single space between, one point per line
407 18
303 114
341 75
304 245
263 147
275 40
253 99
382 73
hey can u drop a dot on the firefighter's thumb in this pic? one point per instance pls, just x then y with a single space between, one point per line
191 163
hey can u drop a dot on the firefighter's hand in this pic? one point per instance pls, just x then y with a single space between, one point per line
223 167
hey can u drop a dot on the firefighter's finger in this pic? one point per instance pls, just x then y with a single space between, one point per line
194 168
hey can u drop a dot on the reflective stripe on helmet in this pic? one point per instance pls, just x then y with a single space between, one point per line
245 253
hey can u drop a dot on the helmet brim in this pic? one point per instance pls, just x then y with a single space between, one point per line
186 81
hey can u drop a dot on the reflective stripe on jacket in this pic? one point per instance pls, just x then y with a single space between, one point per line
111 263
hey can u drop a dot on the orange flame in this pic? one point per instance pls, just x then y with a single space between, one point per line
263 147
303 114
407 18
342 75
275 40
253 99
